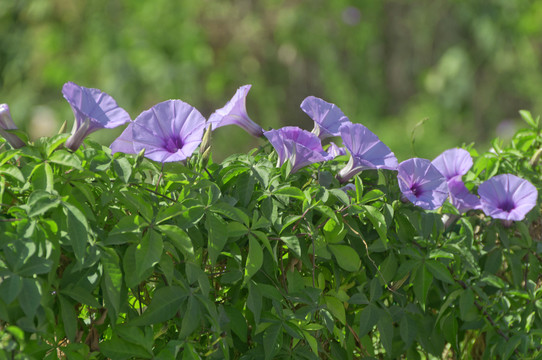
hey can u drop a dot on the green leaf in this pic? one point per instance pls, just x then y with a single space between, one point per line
407 329
123 169
379 222
111 281
467 309
254 301
272 340
69 317
292 242
39 202
165 303
334 232
385 328
10 288
191 318
30 297
254 259
290 191
35 265
120 349
12 171
179 238
336 307
148 253
440 271
231 212
81 295
312 342
65 158
421 282
217 236
528 118
78 233
450 329
346 257
54 142
42 177
238 323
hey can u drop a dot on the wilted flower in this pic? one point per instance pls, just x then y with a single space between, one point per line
453 164
235 113
335 150
169 131
507 197
6 123
93 110
327 117
299 146
422 184
366 150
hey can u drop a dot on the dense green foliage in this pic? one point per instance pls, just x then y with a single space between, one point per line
467 66
114 256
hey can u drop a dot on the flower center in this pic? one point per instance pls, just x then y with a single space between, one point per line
172 145
416 190
507 205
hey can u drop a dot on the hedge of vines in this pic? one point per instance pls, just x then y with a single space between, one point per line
150 250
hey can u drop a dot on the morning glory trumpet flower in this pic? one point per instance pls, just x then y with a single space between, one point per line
6 123
299 146
327 117
422 184
168 131
334 150
235 113
453 164
93 110
366 149
507 197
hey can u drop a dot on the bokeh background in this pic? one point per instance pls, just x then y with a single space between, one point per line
446 72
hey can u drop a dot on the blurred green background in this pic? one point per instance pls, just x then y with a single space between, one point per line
466 67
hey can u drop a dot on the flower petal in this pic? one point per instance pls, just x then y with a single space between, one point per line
327 117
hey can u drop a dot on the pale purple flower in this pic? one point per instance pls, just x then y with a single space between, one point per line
327 117
169 131
422 184
299 146
366 149
507 197
235 113
453 164
335 150
93 110
6 123
461 197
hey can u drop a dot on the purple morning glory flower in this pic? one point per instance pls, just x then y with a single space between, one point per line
93 110
335 150
169 131
235 113
461 197
299 146
507 197
6 123
366 150
453 164
422 184
327 117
